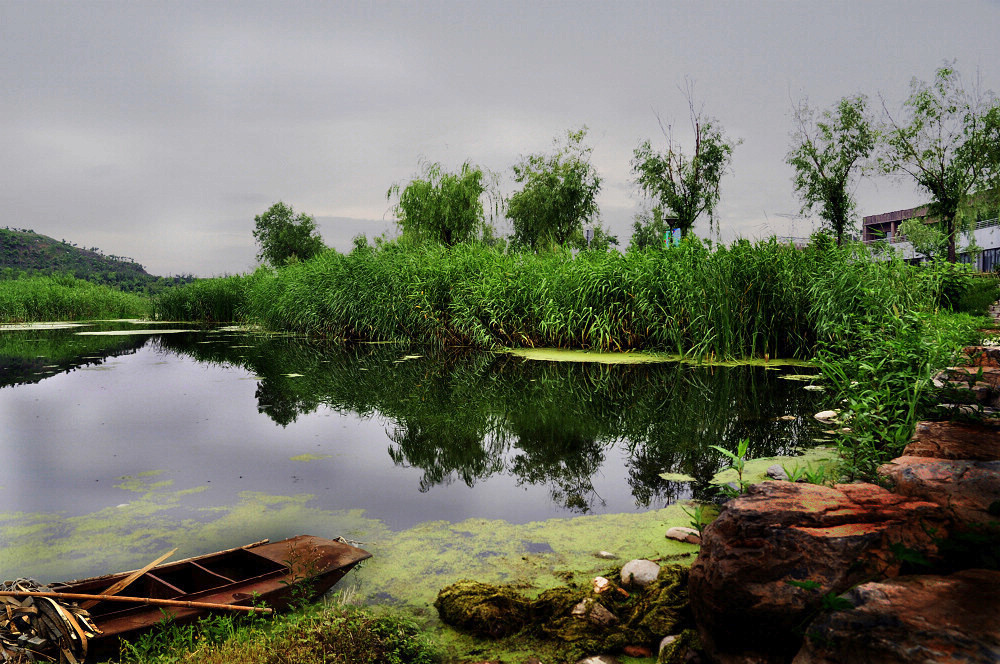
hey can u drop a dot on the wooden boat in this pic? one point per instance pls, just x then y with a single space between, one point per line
268 573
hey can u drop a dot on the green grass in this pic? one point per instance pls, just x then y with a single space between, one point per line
54 298
335 634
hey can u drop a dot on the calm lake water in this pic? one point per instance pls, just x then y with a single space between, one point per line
192 422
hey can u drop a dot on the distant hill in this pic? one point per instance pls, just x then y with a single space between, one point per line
24 251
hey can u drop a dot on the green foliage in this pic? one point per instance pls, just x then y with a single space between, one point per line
825 153
284 237
701 516
312 636
217 300
746 300
979 293
927 239
686 185
558 196
442 207
947 144
649 229
737 461
884 380
64 297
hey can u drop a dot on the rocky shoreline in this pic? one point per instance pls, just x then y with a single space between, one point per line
857 573
791 572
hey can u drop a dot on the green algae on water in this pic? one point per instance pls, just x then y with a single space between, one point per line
310 457
569 355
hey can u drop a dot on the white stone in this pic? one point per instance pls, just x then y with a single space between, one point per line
640 573
667 640
599 659
776 472
825 415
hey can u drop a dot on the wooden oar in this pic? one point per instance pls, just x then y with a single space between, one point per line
116 588
136 600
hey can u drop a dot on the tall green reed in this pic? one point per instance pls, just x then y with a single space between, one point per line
63 297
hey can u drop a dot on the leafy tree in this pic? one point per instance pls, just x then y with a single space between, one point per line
683 185
927 239
649 228
559 194
284 237
442 207
825 153
946 142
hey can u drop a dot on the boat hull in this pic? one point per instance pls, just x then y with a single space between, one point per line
271 574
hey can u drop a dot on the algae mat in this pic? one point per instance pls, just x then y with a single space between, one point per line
408 567
643 357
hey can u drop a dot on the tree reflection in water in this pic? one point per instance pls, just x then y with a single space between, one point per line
463 415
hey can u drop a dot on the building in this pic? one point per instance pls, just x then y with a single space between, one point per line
884 227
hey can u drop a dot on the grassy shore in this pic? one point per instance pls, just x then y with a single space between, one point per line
747 300
55 298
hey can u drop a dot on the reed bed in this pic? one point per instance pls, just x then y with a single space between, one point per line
203 300
747 300
63 297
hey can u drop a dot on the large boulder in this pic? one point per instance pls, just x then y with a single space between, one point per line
769 558
912 619
954 440
968 490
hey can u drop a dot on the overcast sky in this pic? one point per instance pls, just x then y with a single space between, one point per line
157 130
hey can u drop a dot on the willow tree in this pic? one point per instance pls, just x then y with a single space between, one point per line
441 206
558 194
686 184
826 152
946 141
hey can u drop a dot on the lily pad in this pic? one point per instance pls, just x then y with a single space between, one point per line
677 477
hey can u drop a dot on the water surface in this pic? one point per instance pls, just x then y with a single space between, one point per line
164 432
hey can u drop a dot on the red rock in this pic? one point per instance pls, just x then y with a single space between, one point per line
638 651
779 532
983 356
965 489
953 440
938 619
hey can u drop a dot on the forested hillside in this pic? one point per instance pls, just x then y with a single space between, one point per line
25 252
